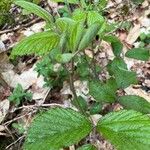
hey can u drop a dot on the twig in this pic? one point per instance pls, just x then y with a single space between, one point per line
20 138
17 118
20 27
72 88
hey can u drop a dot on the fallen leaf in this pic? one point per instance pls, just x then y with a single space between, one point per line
4 107
134 33
139 92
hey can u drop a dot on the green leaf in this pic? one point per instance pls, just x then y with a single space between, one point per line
80 102
115 63
57 128
89 36
138 53
124 78
39 43
102 4
115 43
135 102
33 8
19 95
96 108
75 35
94 16
64 23
103 92
79 15
138 1
64 58
87 147
126 130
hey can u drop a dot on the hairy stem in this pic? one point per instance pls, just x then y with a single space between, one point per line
72 88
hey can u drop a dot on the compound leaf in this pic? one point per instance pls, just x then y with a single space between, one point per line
37 10
138 53
39 43
126 130
135 102
57 128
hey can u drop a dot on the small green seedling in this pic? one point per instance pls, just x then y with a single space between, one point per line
19 95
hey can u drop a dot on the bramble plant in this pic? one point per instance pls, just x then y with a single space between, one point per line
64 41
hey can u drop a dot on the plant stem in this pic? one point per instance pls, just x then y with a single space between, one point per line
72 88
94 63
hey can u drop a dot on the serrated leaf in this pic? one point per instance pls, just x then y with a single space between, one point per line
64 23
138 53
57 128
87 147
39 44
135 102
115 63
80 102
33 8
102 4
75 35
79 15
94 16
124 78
89 36
103 92
126 130
115 43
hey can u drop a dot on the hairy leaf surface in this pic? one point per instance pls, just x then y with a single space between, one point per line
135 102
57 128
103 92
115 63
124 78
37 10
126 130
138 53
94 16
115 43
89 36
39 43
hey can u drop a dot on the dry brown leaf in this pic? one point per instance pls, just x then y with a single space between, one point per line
2 128
139 92
134 33
4 107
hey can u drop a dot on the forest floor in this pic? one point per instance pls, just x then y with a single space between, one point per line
134 20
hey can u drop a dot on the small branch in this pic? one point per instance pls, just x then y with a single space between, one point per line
15 29
72 88
19 139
